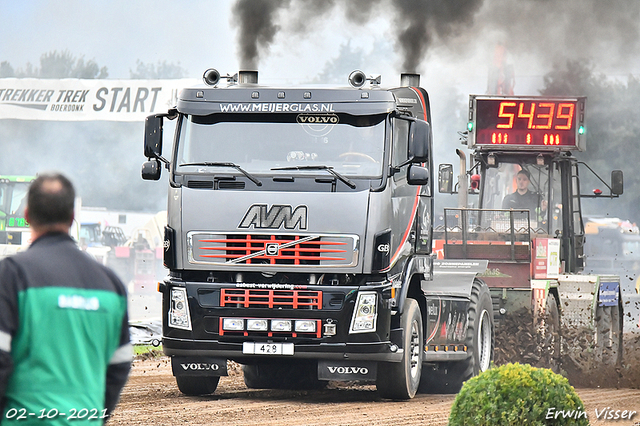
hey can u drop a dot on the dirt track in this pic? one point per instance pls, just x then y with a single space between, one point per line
152 398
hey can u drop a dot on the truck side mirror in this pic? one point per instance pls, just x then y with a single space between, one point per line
417 175
419 138
151 170
445 178
617 182
153 136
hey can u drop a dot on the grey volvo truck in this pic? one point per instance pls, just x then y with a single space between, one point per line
298 241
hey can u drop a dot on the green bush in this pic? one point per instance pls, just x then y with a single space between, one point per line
518 394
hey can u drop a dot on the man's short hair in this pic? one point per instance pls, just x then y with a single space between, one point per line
50 200
524 172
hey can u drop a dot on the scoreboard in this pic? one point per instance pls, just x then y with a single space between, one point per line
537 123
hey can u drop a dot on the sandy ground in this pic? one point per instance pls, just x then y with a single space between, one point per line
151 397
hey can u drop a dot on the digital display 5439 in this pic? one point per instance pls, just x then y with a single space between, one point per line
526 122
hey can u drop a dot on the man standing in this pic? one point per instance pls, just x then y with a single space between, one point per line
64 337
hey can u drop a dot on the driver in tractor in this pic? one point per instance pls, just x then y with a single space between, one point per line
523 198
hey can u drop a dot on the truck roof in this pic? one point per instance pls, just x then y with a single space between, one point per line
258 99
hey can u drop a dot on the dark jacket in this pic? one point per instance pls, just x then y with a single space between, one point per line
64 335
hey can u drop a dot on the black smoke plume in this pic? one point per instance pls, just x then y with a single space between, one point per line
420 23
545 31
255 21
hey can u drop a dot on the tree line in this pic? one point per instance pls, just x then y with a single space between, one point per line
63 64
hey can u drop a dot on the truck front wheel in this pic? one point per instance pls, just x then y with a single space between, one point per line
197 385
448 377
400 380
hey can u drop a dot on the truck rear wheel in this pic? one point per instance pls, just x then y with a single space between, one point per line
448 377
400 380
282 375
197 385
609 335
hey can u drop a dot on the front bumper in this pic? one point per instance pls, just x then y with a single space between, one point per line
375 351
210 303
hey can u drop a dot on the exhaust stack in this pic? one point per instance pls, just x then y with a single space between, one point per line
248 77
409 79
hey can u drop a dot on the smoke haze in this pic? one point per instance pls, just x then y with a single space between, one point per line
539 31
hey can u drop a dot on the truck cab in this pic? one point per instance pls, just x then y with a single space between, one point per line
298 237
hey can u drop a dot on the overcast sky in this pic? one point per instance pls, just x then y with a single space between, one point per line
451 43
459 36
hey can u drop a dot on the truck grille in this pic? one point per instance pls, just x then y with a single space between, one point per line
262 250
279 299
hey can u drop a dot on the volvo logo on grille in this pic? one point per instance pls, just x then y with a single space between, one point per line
261 217
272 249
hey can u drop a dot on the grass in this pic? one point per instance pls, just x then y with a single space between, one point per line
147 351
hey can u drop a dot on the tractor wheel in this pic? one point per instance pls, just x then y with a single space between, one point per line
448 377
608 339
400 380
550 343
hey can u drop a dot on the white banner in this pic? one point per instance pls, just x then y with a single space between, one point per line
85 100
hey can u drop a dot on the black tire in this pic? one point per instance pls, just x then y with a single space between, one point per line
292 375
550 344
400 380
448 377
608 339
197 385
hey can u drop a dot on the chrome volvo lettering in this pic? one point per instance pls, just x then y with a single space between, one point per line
263 217
348 370
196 366
317 119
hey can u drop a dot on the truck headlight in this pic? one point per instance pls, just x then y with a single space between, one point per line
232 324
257 325
280 325
179 309
365 313
305 326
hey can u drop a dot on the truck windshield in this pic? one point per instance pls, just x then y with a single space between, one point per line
259 143
13 198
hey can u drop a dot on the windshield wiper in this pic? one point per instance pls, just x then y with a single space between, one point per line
344 179
232 165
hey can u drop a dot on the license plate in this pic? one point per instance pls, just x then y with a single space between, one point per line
267 348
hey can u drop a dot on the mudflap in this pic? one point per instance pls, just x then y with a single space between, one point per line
346 371
198 366
591 322
578 300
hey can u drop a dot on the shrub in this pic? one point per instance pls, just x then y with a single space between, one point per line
518 394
